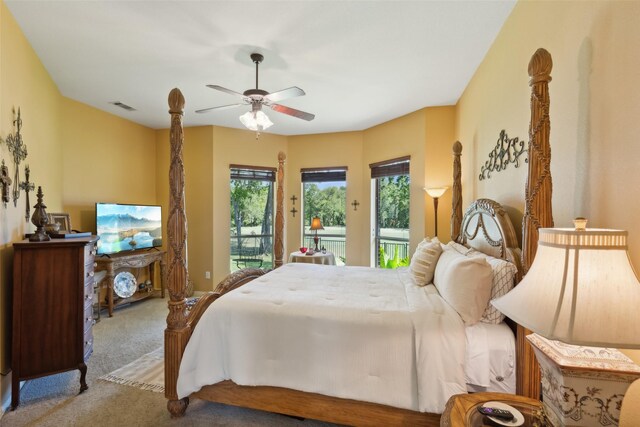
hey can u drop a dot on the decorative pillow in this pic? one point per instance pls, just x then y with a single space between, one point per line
465 283
503 275
423 262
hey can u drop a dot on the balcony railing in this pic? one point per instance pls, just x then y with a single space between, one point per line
389 245
251 251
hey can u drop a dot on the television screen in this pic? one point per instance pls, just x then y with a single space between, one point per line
127 227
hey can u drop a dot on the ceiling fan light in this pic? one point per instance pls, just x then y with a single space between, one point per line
263 120
255 120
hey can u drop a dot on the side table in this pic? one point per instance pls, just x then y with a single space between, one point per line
133 259
317 258
462 409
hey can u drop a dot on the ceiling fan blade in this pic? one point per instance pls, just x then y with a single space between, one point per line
222 107
225 90
284 94
292 112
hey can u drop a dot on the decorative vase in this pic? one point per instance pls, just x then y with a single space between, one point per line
39 219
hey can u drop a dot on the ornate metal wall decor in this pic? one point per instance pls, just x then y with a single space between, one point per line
27 186
19 150
355 205
5 181
506 151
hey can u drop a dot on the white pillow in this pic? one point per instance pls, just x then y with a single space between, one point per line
423 262
462 249
465 283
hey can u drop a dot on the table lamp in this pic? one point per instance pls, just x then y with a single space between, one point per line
580 296
435 194
316 225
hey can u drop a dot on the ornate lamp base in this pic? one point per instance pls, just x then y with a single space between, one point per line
582 386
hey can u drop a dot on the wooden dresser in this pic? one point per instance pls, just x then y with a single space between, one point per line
52 309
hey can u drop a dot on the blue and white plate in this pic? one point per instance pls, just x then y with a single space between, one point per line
124 285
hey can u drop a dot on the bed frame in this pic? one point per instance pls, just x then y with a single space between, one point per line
485 227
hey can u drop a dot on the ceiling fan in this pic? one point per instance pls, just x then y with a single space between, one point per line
256 119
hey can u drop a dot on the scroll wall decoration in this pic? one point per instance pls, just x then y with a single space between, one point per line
19 150
506 151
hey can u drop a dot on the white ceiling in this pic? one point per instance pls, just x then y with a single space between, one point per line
360 63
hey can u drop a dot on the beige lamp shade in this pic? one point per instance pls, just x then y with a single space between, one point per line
436 193
581 289
316 224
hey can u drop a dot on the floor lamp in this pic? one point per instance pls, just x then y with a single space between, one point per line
435 194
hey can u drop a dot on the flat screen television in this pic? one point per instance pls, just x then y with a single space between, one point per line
127 227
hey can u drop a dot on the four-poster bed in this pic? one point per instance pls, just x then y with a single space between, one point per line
483 215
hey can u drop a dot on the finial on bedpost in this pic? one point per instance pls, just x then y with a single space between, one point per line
540 67
177 334
176 101
456 198
278 248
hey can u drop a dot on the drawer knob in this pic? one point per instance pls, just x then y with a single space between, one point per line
88 343
87 297
90 274
95 264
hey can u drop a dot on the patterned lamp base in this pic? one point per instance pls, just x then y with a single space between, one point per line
582 386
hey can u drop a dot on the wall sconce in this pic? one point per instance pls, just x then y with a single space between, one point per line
435 194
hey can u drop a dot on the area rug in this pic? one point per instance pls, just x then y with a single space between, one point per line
146 373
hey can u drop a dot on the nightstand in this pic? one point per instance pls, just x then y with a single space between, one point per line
462 409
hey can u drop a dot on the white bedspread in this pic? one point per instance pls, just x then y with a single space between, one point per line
351 332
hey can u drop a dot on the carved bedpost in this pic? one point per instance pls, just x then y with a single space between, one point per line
456 198
278 249
537 211
177 333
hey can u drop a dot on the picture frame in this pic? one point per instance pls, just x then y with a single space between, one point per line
60 218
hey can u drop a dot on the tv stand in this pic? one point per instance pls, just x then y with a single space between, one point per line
138 259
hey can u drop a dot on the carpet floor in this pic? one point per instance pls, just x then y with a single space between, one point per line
132 332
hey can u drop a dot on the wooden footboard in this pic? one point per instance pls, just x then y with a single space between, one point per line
315 406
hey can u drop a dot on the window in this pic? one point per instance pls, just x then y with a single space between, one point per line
324 195
390 213
251 217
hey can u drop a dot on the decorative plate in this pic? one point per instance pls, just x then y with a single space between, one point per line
124 285
518 418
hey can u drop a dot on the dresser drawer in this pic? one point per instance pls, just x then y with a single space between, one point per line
88 343
89 254
88 293
88 316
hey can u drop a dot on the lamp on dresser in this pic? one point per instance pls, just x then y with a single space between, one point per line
581 297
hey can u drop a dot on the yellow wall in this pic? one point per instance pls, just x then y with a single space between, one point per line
326 150
438 167
595 106
106 159
24 83
197 155
404 136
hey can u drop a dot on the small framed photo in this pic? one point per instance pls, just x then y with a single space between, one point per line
62 219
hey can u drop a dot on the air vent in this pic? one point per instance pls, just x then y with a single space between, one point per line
123 106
